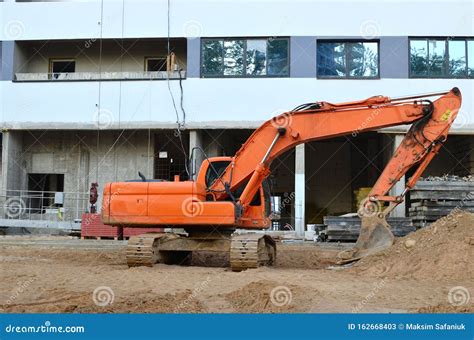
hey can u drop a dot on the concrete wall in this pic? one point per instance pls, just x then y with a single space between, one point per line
78 155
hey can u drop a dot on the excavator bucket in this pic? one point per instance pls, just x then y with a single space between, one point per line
375 236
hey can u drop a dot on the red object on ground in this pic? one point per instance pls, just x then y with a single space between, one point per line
92 226
132 231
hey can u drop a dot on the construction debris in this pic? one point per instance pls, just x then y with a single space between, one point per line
347 229
435 197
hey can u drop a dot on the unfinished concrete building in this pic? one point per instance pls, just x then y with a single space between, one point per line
89 94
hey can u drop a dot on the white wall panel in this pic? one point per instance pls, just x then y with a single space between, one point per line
148 18
213 103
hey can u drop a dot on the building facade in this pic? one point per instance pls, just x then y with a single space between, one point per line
96 91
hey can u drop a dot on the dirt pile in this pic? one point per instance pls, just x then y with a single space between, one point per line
442 250
266 296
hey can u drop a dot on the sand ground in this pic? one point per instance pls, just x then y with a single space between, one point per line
60 274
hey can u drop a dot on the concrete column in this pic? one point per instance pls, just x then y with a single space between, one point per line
195 140
13 174
300 190
398 188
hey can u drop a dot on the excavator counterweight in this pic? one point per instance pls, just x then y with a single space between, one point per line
230 193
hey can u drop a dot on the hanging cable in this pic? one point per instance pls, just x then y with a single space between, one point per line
100 90
179 123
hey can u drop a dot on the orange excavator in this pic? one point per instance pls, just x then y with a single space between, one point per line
231 193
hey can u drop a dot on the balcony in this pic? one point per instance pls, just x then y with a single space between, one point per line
102 76
100 60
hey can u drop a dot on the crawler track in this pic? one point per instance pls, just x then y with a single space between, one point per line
245 251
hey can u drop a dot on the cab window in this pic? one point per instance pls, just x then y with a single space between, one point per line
214 171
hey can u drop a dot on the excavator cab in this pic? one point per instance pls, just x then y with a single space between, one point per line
257 214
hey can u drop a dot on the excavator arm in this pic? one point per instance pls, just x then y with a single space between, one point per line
430 122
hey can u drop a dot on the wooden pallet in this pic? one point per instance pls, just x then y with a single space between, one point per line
115 238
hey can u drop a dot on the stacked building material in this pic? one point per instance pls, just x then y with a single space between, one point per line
435 197
346 229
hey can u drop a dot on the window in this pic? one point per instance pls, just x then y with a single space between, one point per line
42 192
215 171
441 58
60 66
245 57
155 64
347 59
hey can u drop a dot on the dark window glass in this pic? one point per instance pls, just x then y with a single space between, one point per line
240 58
233 57
256 57
215 171
278 63
331 59
347 59
62 66
156 64
212 57
419 57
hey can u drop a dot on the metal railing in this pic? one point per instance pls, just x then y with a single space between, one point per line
89 76
43 205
